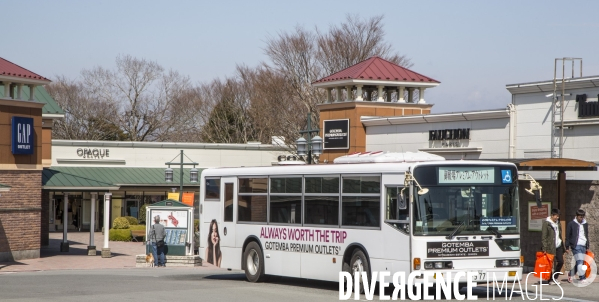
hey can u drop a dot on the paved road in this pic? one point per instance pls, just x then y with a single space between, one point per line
74 276
178 284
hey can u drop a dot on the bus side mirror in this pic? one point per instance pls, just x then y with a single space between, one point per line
538 198
401 200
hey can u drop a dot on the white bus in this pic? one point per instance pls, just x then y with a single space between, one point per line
382 211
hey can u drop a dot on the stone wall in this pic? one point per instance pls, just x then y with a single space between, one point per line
20 210
579 195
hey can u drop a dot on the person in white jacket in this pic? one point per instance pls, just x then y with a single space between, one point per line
577 242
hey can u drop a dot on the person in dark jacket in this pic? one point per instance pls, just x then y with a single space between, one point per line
577 242
157 234
552 243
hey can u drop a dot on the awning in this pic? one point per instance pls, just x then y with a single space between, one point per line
108 178
554 164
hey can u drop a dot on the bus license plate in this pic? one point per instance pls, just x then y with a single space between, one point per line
479 275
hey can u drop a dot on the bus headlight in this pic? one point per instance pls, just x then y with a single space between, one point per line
507 263
438 265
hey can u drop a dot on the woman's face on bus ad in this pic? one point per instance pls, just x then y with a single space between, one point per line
214 236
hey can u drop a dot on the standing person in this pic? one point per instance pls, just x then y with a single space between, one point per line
577 238
157 235
213 254
552 243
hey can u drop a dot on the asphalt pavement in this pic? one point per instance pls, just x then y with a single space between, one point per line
76 262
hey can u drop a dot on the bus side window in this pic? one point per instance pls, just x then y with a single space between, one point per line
228 204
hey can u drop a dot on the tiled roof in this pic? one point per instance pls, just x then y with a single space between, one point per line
378 69
109 177
8 68
42 96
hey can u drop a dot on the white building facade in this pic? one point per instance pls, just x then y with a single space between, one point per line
154 155
533 103
522 130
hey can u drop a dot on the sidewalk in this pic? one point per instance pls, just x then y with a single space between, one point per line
123 255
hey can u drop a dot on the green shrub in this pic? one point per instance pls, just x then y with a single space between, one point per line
142 212
196 224
137 227
120 223
132 220
119 234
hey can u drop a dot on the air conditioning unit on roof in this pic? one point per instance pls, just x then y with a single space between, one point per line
387 157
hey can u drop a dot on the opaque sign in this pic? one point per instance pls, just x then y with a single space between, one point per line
22 135
336 134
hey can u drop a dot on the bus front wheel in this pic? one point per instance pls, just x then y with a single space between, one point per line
359 264
254 262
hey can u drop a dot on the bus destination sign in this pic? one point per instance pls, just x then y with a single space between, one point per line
466 175
457 249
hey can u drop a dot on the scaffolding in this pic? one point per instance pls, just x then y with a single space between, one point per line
557 107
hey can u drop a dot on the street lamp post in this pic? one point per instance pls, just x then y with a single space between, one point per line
311 147
193 174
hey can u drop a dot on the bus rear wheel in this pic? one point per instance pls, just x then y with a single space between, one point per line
254 262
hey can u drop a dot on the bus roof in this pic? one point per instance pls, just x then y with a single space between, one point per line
323 169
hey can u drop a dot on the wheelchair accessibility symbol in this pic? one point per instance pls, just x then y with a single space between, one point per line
506 176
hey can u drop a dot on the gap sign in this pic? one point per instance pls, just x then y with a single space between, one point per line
22 135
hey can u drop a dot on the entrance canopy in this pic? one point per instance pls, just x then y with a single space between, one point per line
556 164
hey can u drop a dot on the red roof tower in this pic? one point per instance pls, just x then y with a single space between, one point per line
378 75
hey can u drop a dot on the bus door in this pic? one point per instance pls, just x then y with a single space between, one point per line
231 254
396 227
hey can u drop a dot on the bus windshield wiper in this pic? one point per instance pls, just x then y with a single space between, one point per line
455 232
493 230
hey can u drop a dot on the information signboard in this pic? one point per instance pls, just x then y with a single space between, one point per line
336 134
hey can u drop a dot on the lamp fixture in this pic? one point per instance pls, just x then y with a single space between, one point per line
168 174
193 173
310 149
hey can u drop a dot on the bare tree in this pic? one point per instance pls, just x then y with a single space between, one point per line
228 120
354 41
300 57
293 55
142 91
86 118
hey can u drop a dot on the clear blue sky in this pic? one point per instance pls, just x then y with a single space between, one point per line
474 48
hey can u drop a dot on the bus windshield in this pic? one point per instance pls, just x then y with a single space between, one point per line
475 210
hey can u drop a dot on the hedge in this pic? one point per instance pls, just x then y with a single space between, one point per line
124 234
119 235
132 220
120 223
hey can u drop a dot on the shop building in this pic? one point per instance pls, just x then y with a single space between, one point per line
550 129
133 173
26 118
